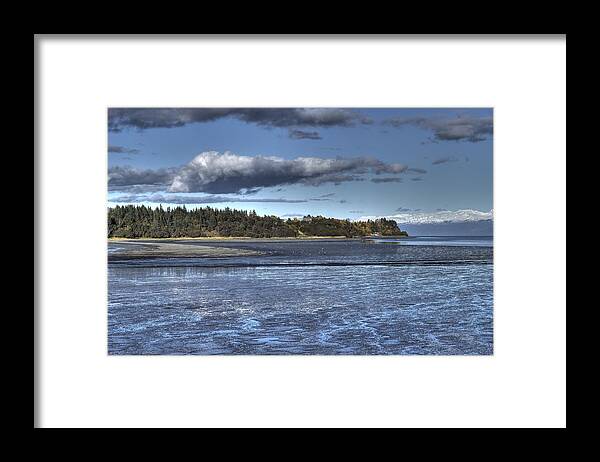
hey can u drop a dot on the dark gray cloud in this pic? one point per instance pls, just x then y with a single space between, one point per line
179 199
444 160
147 118
121 178
471 129
379 167
302 135
122 150
416 170
387 180
215 173
356 211
416 179
333 178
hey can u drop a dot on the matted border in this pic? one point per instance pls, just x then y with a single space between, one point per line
523 384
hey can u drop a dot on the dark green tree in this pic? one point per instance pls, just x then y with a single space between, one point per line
132 221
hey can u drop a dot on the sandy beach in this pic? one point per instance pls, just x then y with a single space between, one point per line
147 248
229 239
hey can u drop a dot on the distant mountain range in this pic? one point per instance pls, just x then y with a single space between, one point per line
454 228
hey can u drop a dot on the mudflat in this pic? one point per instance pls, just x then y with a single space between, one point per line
134 249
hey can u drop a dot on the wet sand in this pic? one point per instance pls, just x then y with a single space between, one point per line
135 249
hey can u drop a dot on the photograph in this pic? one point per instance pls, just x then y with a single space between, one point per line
300 230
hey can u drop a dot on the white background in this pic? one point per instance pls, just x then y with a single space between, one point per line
522 384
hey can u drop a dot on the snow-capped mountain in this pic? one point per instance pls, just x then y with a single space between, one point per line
439 216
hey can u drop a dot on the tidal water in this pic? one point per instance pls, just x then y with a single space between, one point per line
415 296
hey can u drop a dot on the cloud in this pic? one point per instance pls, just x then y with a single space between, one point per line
122 150
323 197
215 173
416 170
356 211
461 128
333 178
439 216
179 199
406 209
387 180
443 160
147 118
124 177
380 167
136 188
246 192
416 179
302 135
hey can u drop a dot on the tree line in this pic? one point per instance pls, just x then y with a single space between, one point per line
140 221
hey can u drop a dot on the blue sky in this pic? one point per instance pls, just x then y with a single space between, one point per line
418 164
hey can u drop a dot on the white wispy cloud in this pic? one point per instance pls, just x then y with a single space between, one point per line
224 173
214 172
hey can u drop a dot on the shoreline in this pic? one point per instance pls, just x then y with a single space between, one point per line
247 239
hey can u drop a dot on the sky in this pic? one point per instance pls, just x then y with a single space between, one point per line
421 167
